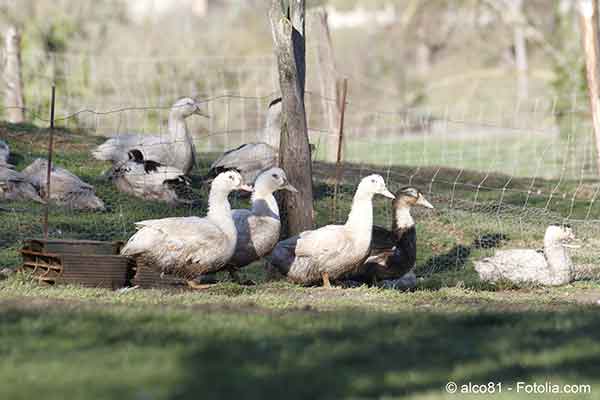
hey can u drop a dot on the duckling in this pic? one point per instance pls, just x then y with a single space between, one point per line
15 186
332 251
394 252
252 158
550 267
191 246
4 153
147 179
258 228
66 188
175 149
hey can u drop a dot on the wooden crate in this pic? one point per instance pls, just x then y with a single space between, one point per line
147 277
88 263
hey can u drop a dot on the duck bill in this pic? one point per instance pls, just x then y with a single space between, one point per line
290 188
387 194
246 188
424 203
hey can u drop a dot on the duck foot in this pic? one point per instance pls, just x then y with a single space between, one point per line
326 283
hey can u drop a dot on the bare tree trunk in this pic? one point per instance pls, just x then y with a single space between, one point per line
423 54
12 74
288 27
328 81
588 10
520 44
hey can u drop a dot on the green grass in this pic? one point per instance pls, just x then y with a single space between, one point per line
276 339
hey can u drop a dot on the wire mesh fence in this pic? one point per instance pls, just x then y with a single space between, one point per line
497 175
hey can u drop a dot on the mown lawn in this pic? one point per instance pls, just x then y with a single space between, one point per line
276 340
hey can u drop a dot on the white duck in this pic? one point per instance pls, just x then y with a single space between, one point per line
552 267
176 149
258 228
15 186
252 158
66 188
333 250
4 152
148 179
191 246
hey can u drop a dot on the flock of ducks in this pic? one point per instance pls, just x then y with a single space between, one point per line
228 240
155 167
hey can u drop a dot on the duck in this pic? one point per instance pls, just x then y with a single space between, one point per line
330 252
148 179
16 186
551 266
253 158
258 228
175 149
394 252
190 247
4 153
67 189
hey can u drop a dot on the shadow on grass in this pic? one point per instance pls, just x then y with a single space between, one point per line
256 354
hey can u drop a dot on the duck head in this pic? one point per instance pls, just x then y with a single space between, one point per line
409 197
272 180
374 184
186 107
560 235
229 181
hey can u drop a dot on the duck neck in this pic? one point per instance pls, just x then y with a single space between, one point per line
219 210
272 132
178 128
559 261
403 220
360 218
264 204
403 227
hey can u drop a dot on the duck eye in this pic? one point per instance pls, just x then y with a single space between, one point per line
231 177
275 176
372 180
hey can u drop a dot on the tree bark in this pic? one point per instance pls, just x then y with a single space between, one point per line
288 27
13 100
588 10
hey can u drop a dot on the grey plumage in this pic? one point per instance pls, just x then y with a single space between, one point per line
16 186
4 152
551 267
148 180
253 158
175 149
258 228
66 188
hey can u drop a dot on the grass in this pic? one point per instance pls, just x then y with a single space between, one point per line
275 339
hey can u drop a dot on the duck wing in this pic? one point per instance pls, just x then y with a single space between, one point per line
382 238
326 242
115 149
4 152
249 159
177 242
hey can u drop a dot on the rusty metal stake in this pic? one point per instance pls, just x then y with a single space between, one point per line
338 164
49 170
